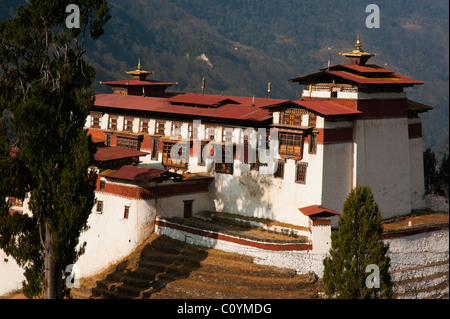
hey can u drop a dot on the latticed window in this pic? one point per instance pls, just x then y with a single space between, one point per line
176 129
291 145
128 124
100 207
159 127
226 165
112 125
300 176
96 119
127 143
227 135
292 117
143 125
179 161
193 130
313 143
280 170
312 118
210 133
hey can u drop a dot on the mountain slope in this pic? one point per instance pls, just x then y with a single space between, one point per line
249 43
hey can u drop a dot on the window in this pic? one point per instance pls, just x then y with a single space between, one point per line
128 124
210 133
227 135
125 142
280 170
176 129
155 146
226 165
168 161
159 127
312 118
291 117
102 184
112 125
313 143
300 176
143 125
193 130
291 145
100 207
126 212
96 119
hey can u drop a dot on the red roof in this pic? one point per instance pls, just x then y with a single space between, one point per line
115 153
317 209
326 107
200 99
137 82
389 79
242 111
362 74
368 68
133 173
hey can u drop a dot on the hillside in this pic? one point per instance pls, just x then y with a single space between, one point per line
241 45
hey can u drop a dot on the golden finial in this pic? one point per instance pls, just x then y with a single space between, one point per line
358 44
139 64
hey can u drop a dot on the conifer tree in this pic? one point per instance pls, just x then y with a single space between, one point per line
354 246
46 84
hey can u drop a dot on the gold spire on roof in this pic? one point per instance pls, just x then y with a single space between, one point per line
358 56
358 44
139 73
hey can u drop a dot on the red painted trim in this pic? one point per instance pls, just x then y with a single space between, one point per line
406 233
415 130
336 135
240 241
321 222
152 192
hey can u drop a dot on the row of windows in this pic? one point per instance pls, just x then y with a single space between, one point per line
295 117
99 209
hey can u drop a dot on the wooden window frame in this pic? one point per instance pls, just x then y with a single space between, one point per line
126 212
312 120
128 124
292 117
313 143
300 172
96 120
160 125
208 135
291 145
176 128
224 167
112 126
99 207
280 169
144 125
102 184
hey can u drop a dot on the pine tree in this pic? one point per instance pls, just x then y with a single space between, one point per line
355 245
46 84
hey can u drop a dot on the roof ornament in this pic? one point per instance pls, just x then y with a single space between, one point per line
139 74
358 56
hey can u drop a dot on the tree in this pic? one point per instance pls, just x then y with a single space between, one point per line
443 177
430 172
354 246
46 84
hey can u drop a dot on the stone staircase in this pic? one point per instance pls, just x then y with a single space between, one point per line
165 268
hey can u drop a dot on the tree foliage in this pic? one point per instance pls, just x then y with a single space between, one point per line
46 84
355 245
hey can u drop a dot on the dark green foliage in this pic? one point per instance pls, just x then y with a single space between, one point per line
355 245
46 85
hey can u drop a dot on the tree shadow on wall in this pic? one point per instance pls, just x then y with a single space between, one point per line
160 262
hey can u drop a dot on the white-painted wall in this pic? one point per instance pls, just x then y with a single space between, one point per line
382 162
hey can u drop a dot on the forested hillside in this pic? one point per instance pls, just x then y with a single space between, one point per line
241 45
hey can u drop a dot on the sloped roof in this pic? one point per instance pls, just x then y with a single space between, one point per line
248 108
315 210
111 153
323 107
133 173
